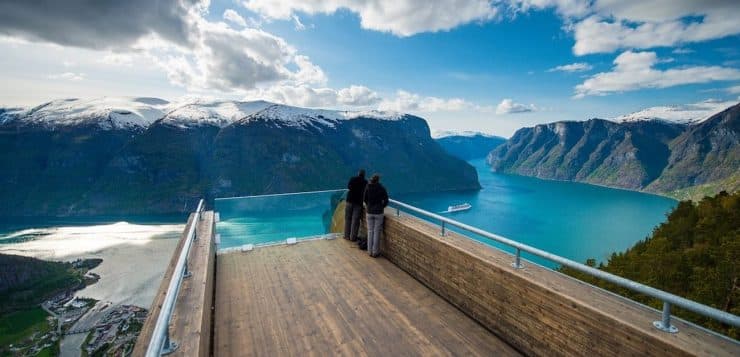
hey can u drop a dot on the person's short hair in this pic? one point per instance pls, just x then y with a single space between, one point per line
375 178
361 173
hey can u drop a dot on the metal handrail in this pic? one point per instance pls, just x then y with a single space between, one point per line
160 343
280 194
668 299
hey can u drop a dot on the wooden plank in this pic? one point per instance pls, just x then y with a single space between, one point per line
327 297
539 311
142 342
190 325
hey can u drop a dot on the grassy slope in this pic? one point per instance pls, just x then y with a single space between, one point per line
16 326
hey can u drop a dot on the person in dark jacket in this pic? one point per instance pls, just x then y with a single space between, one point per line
353 208
375 198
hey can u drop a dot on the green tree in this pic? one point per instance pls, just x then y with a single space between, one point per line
694 254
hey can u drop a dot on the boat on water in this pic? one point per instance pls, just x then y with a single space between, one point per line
457 208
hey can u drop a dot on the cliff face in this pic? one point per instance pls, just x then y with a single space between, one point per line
706 156
469 147
208 150
652 155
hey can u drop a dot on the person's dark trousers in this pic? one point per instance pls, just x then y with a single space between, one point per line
352 214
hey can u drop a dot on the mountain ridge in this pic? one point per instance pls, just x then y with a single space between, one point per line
653 156
91 165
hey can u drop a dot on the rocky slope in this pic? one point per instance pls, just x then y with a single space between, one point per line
145 155
652 155
468 146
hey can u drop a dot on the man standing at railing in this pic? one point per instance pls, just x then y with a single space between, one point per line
376 199
353 208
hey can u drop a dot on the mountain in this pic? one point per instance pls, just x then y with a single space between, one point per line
26 281
681 114
468 145
652 155
146 155
705 159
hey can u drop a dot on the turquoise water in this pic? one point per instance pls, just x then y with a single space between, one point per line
271 218
577 221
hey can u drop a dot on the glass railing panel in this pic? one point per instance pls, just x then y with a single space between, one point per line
269 219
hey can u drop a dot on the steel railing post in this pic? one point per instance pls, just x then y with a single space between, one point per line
186 273
665 321
442 233
169 345
517 264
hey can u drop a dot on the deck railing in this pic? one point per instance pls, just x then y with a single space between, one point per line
160 343
668 299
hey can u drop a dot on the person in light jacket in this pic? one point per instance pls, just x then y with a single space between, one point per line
375 198
353 207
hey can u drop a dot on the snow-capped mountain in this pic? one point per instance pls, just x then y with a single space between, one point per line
105 112
146 155
140 113
681 114
211 112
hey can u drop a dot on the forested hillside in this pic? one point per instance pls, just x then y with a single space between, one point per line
694 254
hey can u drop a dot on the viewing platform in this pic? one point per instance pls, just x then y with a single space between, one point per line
327 297
432 292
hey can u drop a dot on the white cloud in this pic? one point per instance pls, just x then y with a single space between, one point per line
299 26
234 17
508 106
411 102
567 8
605 26
230 60
733 89
573 67
617 25
357 96
399 17
306 96
682 51
635 70
194 53
118 59
68 76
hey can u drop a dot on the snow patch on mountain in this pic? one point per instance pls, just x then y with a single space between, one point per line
217 113
681 114
437 134
137 112
290 116
106 112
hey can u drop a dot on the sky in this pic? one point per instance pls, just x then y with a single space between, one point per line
490 66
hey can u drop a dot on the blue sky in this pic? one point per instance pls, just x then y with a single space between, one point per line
462 65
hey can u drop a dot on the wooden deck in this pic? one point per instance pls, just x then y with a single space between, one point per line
327 297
